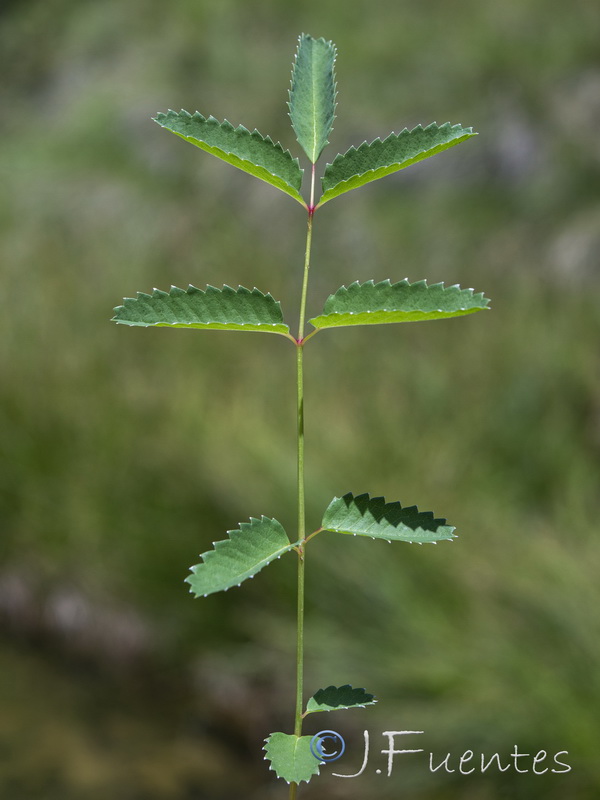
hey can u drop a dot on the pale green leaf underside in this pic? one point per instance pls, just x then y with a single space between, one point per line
336 698
248 151
225 309
249 548
370 161
290 757
366 516
313 93
373 303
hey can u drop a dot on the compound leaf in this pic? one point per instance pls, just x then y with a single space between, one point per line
214 309
336 698
249 548
312 95
291 757
250 152
366 516
373 303
360 165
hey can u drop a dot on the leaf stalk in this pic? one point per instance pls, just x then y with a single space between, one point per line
314 533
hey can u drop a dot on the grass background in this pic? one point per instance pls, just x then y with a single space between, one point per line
125 453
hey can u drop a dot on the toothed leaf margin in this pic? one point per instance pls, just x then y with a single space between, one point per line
370 161
373 517
313 94
249 151
373 303
291 757
337 698
214 309
249 548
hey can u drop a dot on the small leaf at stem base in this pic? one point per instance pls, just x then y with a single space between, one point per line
291 757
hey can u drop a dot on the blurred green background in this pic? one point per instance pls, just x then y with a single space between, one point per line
126 452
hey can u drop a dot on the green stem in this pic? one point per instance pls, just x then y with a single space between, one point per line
301 501
301 549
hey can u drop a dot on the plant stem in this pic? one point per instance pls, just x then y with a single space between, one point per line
311 211
301 502
301 548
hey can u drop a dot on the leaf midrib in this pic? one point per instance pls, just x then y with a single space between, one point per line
211 147
267 560
314 103
295 755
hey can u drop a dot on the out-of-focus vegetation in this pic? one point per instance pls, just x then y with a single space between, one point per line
125 453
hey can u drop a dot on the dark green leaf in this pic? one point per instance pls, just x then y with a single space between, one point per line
336 698
249 548
359 165
365 516
291 757
313 93
251 152
373 303
224 309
